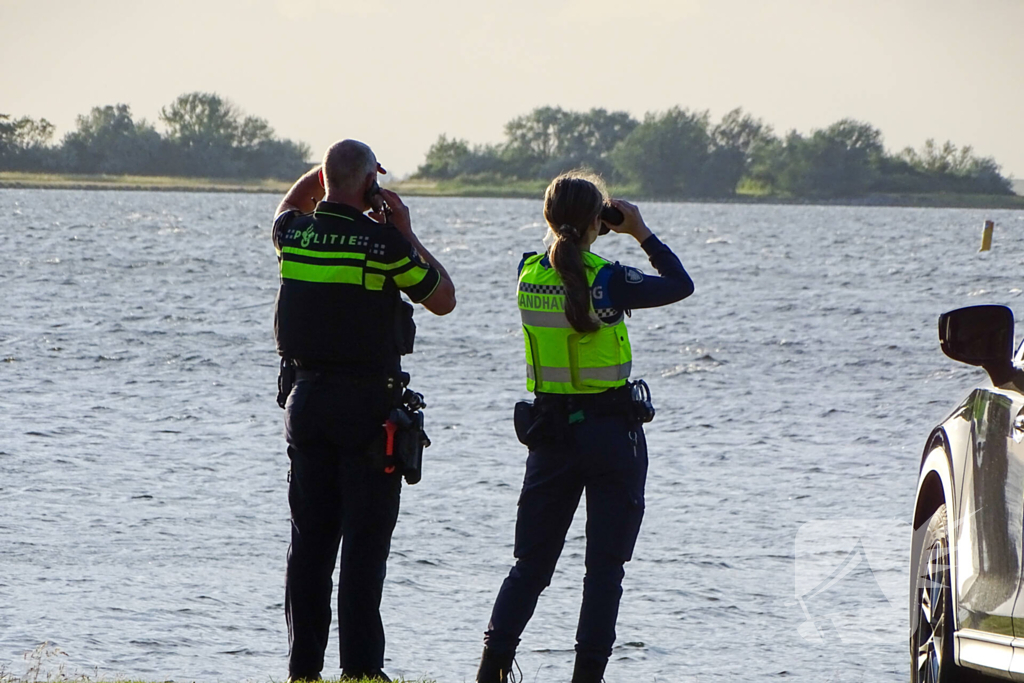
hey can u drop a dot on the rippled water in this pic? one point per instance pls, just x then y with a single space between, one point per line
143 516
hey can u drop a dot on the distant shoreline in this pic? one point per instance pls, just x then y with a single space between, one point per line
512 189
64 181
529 189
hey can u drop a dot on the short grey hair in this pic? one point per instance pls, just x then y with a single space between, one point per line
347 163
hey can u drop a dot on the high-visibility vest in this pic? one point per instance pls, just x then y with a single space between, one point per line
560 360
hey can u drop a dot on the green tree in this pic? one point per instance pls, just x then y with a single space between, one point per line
253 132
259 153
666 154
550 140
274 158
24 143
199 119
445 158
209 135
954 169
736 142
586 139
108 140
536 133
839 161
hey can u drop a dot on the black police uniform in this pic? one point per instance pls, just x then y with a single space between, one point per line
341 322
583 442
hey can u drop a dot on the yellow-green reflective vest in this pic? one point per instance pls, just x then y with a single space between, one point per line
560 360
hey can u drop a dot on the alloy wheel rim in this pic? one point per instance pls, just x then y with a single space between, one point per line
931 621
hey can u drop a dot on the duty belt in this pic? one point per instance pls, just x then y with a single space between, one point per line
392 381
609 402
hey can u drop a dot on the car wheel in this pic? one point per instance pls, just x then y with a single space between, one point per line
931 646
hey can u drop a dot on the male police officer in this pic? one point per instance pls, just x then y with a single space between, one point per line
341 325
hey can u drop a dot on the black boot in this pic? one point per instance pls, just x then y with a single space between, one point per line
495 666
588 670
375 675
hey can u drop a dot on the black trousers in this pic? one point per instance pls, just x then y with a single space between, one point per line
336 497
606 456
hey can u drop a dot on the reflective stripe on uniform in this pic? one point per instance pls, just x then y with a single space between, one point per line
612 373
324 254
343 267
549 374
306 257
377 265
307 272
411 277
544 318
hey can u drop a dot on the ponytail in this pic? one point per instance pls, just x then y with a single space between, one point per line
571 203
568 261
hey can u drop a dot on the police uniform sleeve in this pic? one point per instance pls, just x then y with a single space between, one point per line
407 270
629 288
281 224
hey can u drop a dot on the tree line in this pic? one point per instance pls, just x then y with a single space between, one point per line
206 136
683 153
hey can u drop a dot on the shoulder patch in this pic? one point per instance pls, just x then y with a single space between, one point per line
417 259
633 276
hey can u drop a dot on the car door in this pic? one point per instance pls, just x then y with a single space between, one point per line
989 548
1016 443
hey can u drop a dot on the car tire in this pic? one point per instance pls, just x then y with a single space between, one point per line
931 642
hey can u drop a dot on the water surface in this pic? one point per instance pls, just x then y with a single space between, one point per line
143 511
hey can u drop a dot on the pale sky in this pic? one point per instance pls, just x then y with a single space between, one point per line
396 73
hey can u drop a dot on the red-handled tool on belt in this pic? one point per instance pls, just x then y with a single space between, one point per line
390 428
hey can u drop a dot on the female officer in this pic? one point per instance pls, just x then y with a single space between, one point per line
583 431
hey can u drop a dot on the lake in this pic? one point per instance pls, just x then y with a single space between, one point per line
143 509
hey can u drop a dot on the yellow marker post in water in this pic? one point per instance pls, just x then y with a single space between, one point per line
986 236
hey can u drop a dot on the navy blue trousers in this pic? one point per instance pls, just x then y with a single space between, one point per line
336 497
606 456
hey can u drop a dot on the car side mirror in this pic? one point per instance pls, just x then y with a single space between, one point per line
980 335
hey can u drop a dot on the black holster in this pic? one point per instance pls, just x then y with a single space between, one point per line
523 419
536 424
285 381
398 449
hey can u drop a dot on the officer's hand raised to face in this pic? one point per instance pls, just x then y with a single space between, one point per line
442 301
399 212
633 223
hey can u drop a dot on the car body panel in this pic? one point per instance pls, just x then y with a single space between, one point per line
989 517
1017 661
973 463
967 453
986 652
